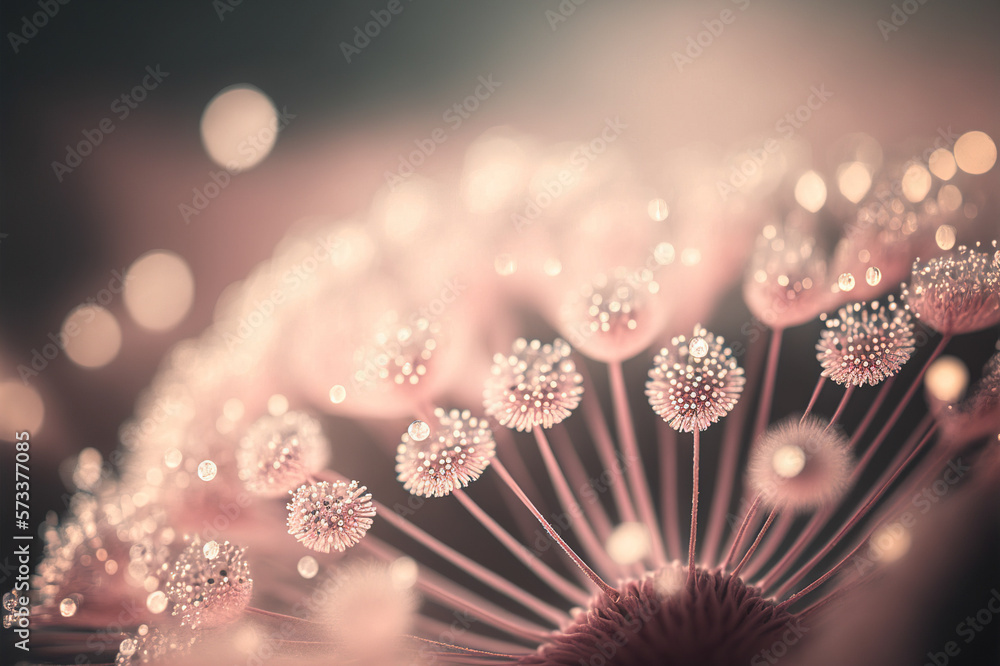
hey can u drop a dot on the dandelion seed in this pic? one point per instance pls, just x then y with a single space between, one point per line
277 453
536 385
207 470
956 295
208 592
865 344
457 453
327 516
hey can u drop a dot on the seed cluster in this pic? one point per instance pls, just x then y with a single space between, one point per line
278 453
455 454
865 344
209 591
956 295
328 516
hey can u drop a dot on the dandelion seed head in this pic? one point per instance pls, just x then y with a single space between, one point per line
786 279
689 391
615 316
153 646
959 294
865 344
398 355
327 516
536 385
799 465
454 454
208 591
278 453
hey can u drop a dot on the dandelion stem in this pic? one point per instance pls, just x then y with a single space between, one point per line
753 546
474 569
610 459
569 504
751 513
668 486
521 552
777 535
465 650
611 592
431 627
840 408
575 472
870 414
636 472
767 390
694 508
725 480
450 594
813 399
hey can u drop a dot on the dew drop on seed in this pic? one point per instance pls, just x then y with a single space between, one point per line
698 347
658 210
67 607
945 237
211 550
419 431
846 281
207 470
873 276
308 567
156 602
127 647
337 394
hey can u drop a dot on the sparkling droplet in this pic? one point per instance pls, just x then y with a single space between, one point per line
788 461
207 470
658 210
664 253
873 276
127 647
846 281
211 550
308 567
337 394
698 347
67 607
945 237
419 431
156 602
277 405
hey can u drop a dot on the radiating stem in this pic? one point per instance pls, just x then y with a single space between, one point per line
611 592
751 513
767 390
636 472
840 408
813 399
694 509
521 552
753 547
667 437
870 414
569 460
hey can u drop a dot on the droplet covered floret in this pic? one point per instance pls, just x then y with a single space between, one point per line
865 344
327 516
956 295
209 591
458 450
278 453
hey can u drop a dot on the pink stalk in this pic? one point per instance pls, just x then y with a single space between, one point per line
636 473
753 547
611 592
778 534
521 552
751 513
870 414
767 391
668 479
813 399
577 474
432 627
694 509
840 408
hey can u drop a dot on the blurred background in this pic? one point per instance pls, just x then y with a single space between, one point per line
105 106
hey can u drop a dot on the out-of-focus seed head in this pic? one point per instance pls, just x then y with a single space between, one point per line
209 591
327 516
458 450
154 646
865 344
398 355
694 382
278 453
799 465
956 295
787 283
535 386
615 316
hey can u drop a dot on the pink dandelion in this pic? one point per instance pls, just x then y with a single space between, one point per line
327 516
956 295
278 453
865 345
457 452
209 583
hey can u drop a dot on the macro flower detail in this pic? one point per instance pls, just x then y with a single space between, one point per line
615 316
799 464
278 453
456 453
865 344
694 382
327 516
149 646
536 385
208 583
956 295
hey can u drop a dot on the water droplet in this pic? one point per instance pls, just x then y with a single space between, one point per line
277 405
419 431
67 607
846 281
127 647
663 253
207 470
945 237
698 347
337 394
308 567
873 276
156 602
211 550
788 461
505 264
658 210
